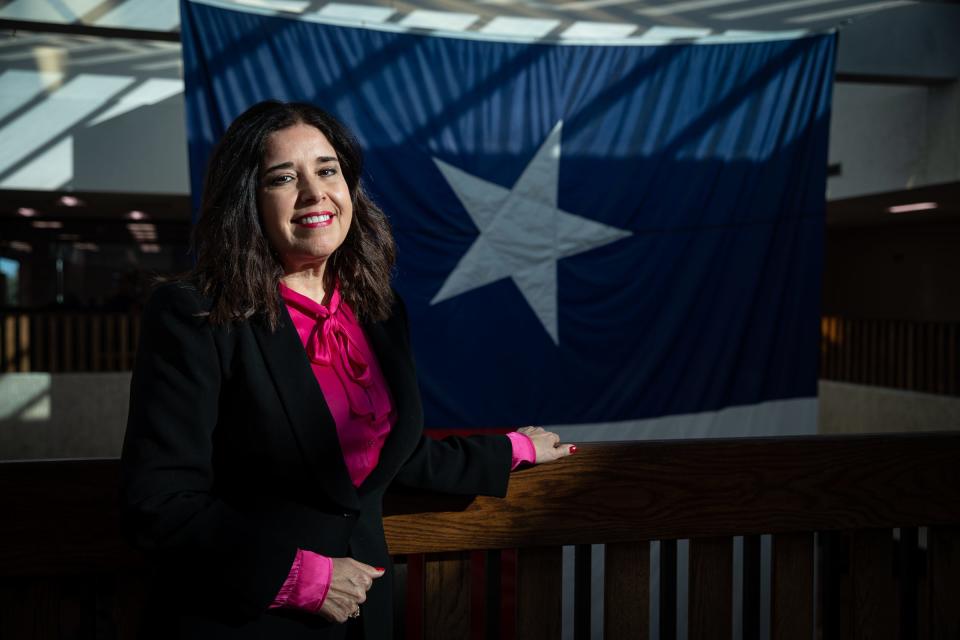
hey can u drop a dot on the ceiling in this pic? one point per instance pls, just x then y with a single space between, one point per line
668 18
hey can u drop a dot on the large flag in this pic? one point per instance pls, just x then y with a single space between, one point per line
618 239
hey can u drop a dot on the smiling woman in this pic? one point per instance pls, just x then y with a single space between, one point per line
305 203
274 399
275 163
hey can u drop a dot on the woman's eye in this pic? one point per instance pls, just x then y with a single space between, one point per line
276 181
328 171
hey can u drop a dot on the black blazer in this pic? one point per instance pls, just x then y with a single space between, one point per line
231 462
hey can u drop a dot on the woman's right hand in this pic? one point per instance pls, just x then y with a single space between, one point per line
349 582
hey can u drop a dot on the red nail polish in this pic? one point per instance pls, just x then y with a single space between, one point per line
573 448
380 569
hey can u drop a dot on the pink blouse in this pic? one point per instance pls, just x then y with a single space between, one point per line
359 399
349 376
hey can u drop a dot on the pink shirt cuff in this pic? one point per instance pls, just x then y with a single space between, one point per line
307 584
523 450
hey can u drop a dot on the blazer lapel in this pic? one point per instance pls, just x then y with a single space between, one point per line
396 362
307 410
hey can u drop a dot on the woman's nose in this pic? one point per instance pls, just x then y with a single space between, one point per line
311 191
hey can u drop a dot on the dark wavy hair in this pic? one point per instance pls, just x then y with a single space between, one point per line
236 266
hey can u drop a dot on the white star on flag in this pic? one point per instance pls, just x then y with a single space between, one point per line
522 233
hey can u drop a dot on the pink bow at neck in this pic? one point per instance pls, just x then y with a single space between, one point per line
330 344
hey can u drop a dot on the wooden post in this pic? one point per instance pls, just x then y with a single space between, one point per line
626 591
711 589
875 606
446 612
539 595
791 609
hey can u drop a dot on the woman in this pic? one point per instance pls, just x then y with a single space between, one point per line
274 400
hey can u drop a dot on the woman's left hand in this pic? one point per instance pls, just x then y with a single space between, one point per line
547 444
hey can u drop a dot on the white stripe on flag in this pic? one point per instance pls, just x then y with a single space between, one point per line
794 417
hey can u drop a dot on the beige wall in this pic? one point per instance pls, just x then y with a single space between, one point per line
853 408
65 415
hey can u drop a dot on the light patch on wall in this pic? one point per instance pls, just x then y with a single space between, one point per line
439 20
290 6
586 29
150 92
22 137
156 15
59 11
358 12
25 397
19 86
51 170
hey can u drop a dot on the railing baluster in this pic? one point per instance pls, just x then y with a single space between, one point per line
23 343
53 345
414 596
711 587
834 620
67 334
875 610
126 356
446 612
110 343
908 579
626 591
36 342
539 595
83 339
952 364
943 544
791 608
7 344
492 594
96 338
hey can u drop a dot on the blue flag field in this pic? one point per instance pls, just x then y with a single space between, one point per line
613 239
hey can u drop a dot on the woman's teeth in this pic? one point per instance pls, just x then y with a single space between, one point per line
314 219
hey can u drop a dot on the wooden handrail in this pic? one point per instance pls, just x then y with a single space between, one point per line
633 491
62 515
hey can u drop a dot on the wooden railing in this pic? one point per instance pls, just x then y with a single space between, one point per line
59 341
918 356
865 543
